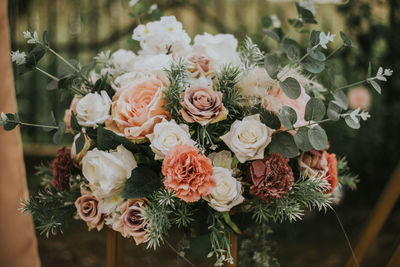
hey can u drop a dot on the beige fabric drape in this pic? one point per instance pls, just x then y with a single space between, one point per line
18 245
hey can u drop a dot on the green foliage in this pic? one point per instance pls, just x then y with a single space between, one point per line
267 117
283 143
142 183
272 65
315 110
291 87
44 172
346 179
51 209
305 15
250 54
287 116
306 193
301 139
318 138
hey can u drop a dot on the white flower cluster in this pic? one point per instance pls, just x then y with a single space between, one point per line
381 75
31 39
18 57
324 39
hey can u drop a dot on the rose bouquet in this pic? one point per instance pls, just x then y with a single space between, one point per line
192 135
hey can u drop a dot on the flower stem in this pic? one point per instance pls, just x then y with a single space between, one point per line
33 125
47 74
308 124
334 51
64 60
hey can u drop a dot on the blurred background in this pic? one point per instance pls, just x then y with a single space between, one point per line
81 28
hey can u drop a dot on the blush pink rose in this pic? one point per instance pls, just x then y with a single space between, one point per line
138 107
202 105
359 98
87 207
72 108
199 65
132 223
276 99
188 173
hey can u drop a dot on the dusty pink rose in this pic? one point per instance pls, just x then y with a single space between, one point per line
87 207
199 65
188 173
276 99
138 107
132 223
359 98
72 108
202 105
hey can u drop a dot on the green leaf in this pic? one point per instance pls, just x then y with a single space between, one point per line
65 70
315 110
74 123
59 133
306 15
314 38
331 73
283 143
287 116
376 86
369 70
346 40
9 125
293 53
272 65
88 67
352 123
266 21
317 55
301 139
80 143
143 182
333 111
52 85
313 65
291 87
268 118
340 99
46 38
51 120
230 223
318 137
273 35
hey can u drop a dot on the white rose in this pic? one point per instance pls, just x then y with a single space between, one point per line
107 172
123 60
93 109
248 138
109 205
168 134
227 192
221 159
220 48
162 37
151 63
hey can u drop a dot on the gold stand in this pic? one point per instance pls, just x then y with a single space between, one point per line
115 256
234 249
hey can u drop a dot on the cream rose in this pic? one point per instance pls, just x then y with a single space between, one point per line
166 135
221 159
248 138
93 109
107 172
220 48
227 193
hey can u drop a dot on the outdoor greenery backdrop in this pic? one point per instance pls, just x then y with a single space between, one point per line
80 29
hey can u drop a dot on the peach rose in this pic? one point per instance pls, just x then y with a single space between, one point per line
72 108
359 98
332 176
188 173
202 105
132 223
87 207
276 99
138 107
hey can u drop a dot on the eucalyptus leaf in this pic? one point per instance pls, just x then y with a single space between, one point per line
52 85
369 70
352 123
293 53
306 15
315 54
273 35
346 40
74 123
143 182
46 38
331 73
65 70
313 66
315 110
266 21
340 99
314 38
376 86
283 143
333 111
51 120
318 137
287 116
80 143
291 87
267 117
59 133
301 139
88 67
272 65
10 125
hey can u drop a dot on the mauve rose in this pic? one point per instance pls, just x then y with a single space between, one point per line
198 65
61 167
272 177
132 223
202 105
87 207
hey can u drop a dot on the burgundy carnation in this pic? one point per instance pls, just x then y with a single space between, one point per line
61 168
272 177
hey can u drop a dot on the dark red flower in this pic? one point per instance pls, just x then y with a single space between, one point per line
272 177
61 167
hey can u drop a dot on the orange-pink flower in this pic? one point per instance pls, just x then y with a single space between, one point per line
138 107
68 112
188 173
359 97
